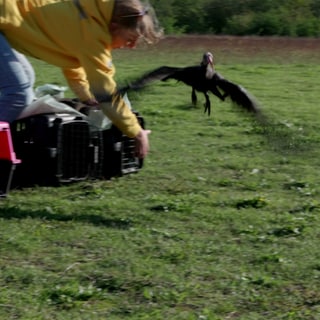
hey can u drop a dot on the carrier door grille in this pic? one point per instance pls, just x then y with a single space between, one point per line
73 151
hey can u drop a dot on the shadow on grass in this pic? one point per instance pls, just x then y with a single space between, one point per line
16 213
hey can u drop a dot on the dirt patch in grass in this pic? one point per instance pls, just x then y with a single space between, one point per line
249 46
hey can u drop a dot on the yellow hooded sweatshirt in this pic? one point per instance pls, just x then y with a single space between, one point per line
73 35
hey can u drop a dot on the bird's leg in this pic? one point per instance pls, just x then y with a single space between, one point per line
217 93
207 105
194 97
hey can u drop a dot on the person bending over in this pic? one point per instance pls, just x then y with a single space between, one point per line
77 36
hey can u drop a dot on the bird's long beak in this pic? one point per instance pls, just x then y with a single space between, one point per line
210 60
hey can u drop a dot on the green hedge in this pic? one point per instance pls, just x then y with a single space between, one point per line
299 18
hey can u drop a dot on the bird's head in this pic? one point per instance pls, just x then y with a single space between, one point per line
207 62
207 59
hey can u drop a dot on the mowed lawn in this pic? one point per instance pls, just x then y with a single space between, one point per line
221 223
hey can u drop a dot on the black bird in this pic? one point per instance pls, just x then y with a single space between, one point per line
208 67
199 78
202 78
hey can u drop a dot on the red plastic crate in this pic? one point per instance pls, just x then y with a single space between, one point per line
8 160
6 146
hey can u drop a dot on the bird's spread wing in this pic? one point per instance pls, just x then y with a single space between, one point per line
158 74
187 75
195 77
237 94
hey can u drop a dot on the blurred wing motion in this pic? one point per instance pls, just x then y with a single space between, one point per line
155 75
202 78
237 93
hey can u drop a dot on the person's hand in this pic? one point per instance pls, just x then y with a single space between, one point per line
142 143
91 102
85 106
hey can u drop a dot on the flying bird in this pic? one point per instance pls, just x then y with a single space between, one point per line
208 67
202 78
199 78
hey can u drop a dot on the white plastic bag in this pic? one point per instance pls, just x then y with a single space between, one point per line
51 89
99 120
47 104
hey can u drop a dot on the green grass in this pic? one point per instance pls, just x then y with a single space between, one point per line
221 223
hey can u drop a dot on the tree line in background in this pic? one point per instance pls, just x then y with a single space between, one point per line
296 18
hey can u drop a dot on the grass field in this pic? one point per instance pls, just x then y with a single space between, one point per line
221 223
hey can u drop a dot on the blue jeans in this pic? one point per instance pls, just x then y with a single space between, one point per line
16 82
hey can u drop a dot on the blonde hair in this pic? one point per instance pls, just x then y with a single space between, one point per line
132 14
